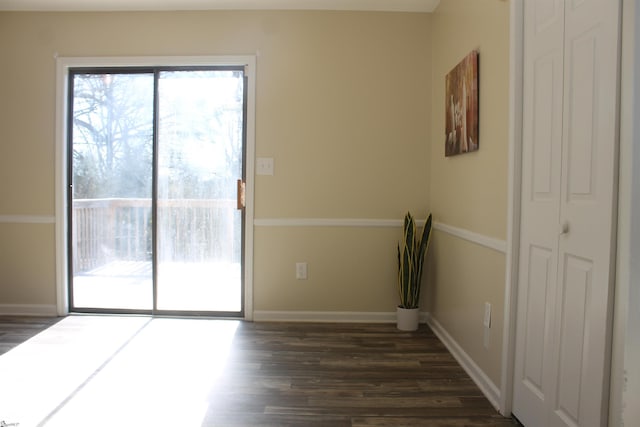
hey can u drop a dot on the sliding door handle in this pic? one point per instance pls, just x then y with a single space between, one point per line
241 195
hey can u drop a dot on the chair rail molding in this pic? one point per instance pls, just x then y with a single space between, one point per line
27 219
471 236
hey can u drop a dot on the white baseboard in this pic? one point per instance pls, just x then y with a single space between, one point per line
328 316
490 390
29 310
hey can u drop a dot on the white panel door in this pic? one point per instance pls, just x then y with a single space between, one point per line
567 224
588 197
541 173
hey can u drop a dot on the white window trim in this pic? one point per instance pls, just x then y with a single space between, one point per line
63 65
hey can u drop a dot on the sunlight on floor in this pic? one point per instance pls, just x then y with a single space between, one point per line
115 371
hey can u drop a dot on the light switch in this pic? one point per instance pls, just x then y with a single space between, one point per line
264 166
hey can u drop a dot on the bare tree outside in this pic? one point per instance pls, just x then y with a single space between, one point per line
112 135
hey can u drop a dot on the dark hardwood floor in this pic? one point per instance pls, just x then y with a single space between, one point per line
346 375
15 330
306 374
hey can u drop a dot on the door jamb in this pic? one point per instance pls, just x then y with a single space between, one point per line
516 47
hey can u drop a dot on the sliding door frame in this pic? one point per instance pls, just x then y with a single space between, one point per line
64 65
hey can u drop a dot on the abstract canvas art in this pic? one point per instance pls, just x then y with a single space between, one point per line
461 107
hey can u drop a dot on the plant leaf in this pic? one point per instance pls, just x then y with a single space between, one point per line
411 253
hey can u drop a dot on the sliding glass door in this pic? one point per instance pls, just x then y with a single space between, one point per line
111 175
199 163
154 159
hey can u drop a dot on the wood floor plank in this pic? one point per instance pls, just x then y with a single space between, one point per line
313 375
340 374
428 422
15 330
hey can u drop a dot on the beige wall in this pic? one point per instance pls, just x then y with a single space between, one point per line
343 106
27 264
349 269
469 191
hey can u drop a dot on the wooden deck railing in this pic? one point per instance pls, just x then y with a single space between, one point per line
105 230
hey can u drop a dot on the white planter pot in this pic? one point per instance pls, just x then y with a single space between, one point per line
407 318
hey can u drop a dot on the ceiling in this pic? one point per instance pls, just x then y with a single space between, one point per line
120 5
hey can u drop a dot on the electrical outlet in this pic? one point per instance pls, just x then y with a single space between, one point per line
487 315
301 270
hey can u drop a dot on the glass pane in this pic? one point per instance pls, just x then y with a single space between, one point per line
112 143
199 161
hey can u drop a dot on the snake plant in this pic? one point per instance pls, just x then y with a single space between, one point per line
411 252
